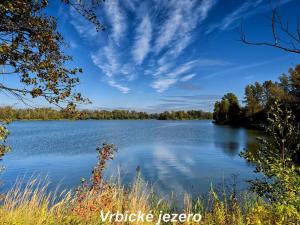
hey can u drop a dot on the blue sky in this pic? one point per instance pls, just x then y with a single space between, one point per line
161 55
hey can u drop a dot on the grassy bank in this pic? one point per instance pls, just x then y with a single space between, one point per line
33 205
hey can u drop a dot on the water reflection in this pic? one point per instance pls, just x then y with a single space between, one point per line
172 155
180 168
229 139
230 148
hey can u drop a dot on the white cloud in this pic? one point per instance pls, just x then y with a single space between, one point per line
128 70
241 11
182 69
121 88
188 77
162 69
131 4
73 44
164 77
247 9
168 30
163 84
244 67
107 60
121 59
85 28
142 45
117 18
184 16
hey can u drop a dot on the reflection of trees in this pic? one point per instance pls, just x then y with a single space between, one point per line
228 139
230 148
252 143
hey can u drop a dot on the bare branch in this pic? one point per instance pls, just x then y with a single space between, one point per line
283 37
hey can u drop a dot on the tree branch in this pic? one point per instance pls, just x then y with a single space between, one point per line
291 45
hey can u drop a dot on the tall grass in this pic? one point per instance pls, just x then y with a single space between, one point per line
32 204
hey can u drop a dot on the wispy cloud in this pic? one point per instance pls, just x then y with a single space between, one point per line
163 84
164 77
117 18
186 102
183 17
243 67
196 97
121 88
188 77
247 9
111 68
142 45
188 86
85 28
162 41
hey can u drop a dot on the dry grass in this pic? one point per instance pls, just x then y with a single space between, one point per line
33 205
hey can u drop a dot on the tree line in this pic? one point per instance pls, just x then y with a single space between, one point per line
53 114
258 100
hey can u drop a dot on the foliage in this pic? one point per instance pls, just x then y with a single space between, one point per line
87 9
3 135
52 114
31 48
105 153
227 110
183 115
276 159
259 98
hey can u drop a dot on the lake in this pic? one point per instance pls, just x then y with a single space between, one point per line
178 156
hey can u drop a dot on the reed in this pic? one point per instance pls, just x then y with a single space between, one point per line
32 204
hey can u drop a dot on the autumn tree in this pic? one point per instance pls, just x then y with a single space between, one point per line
31 48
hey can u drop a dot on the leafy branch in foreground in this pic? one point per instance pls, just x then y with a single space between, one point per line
276 159
31 48
87 193
3 135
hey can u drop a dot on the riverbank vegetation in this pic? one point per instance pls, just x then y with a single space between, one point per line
32 49
273 199
258 100
52 114
34 205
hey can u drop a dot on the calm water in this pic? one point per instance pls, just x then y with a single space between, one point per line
176 156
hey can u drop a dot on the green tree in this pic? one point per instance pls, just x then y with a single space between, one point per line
253 99
290 83
275 158
234 107
227 110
